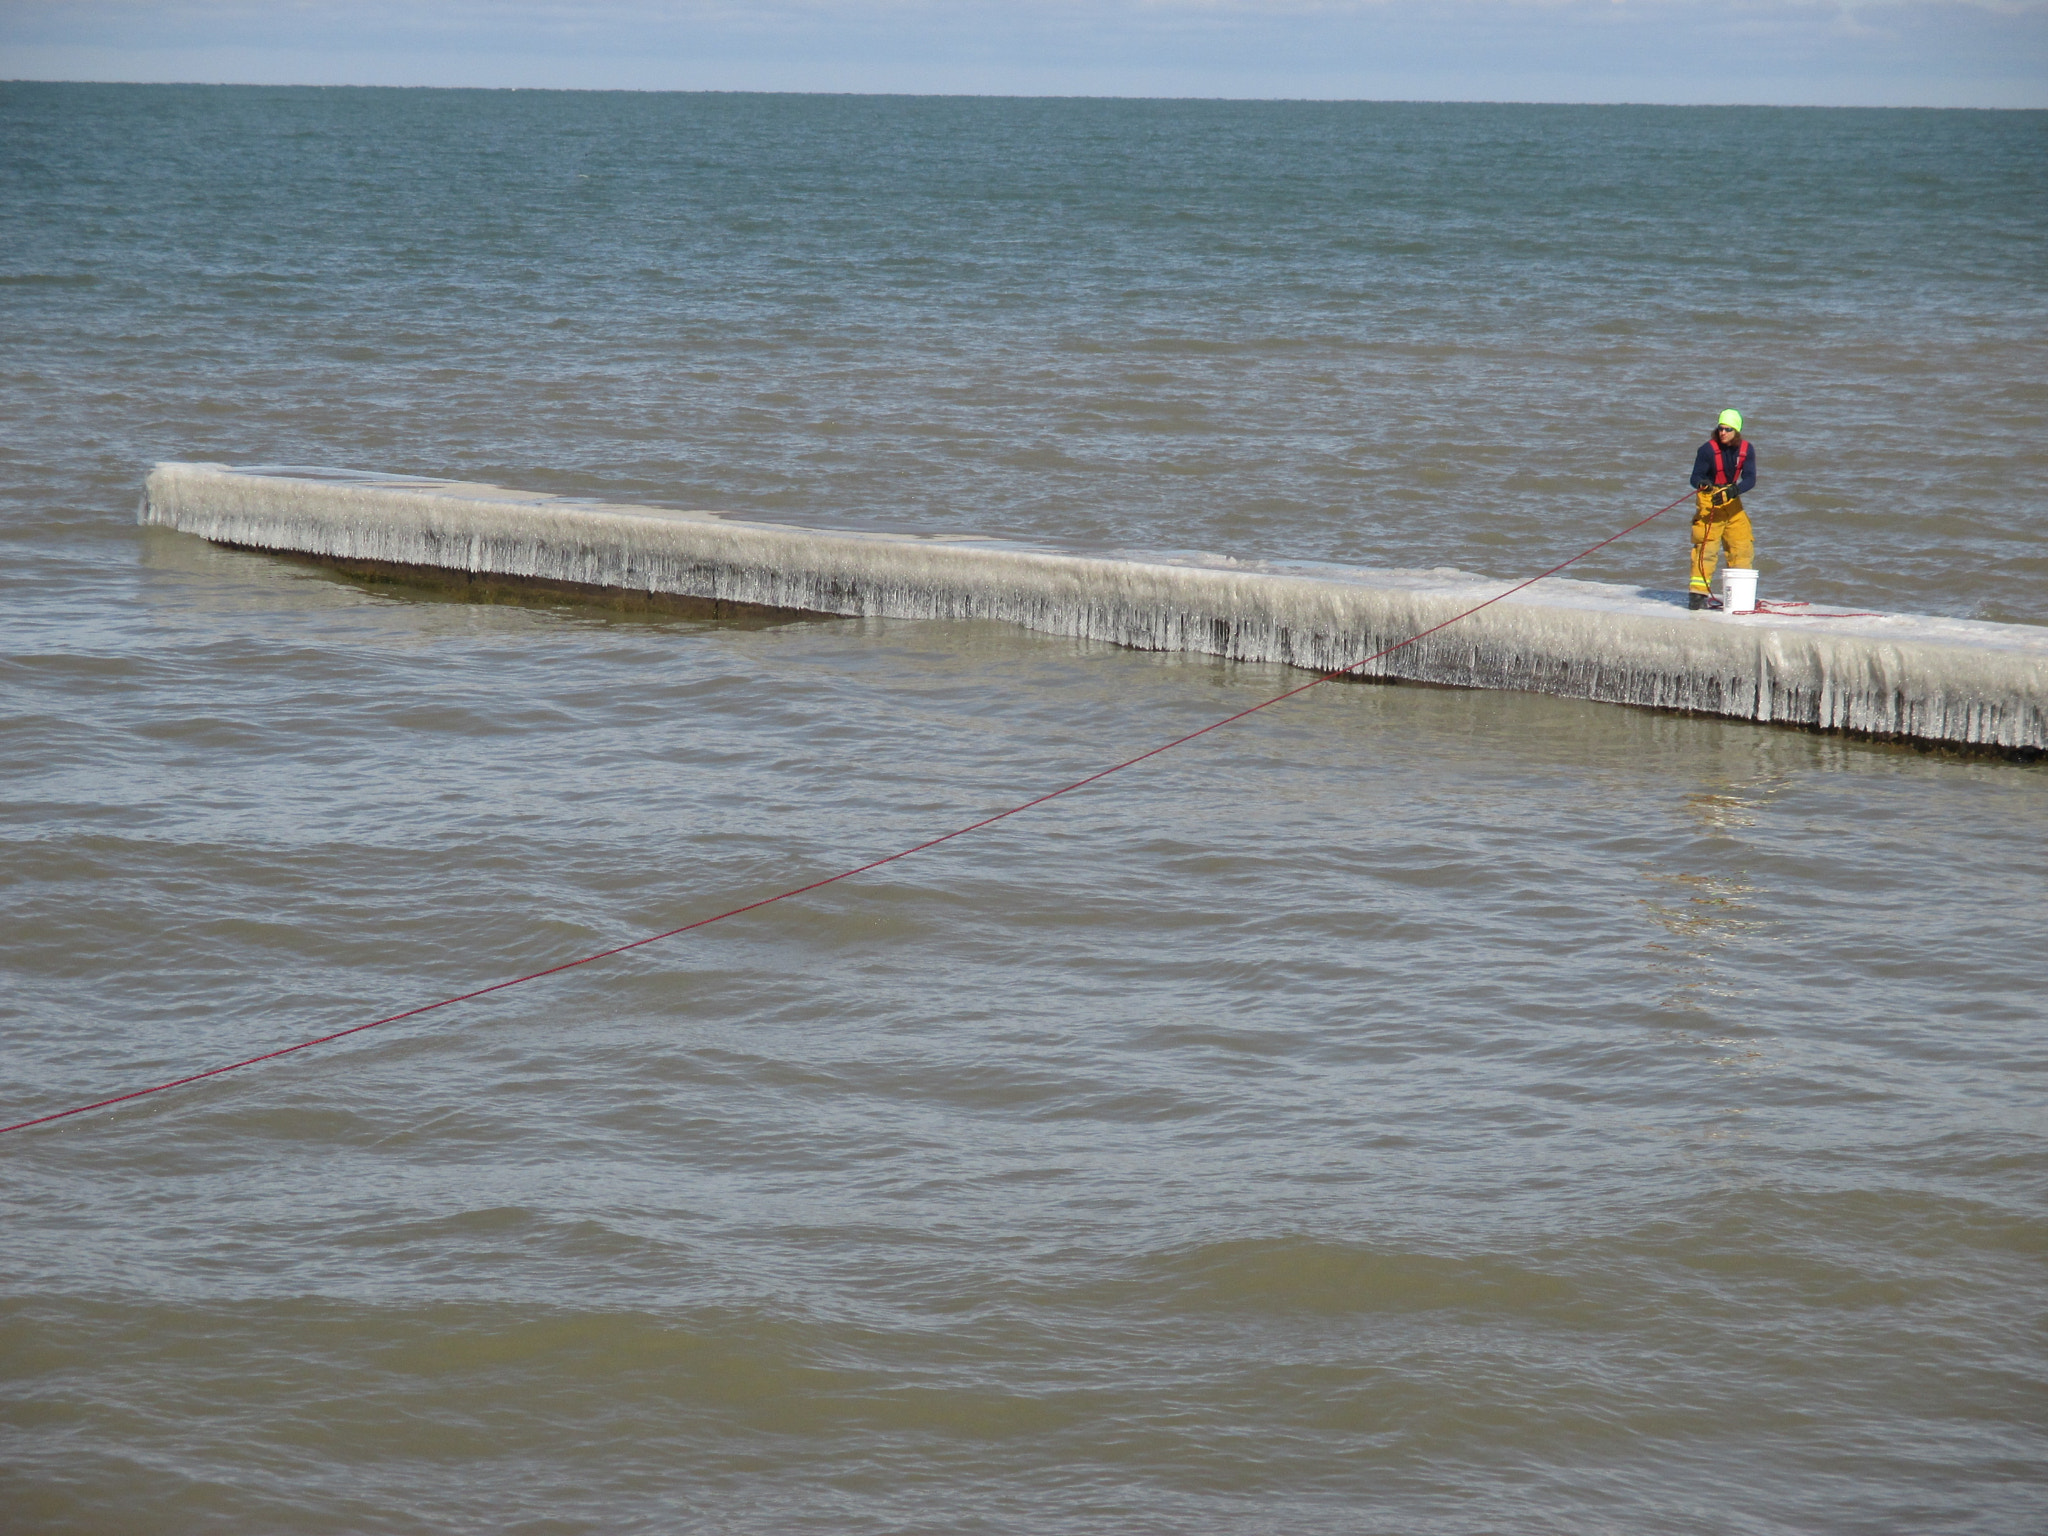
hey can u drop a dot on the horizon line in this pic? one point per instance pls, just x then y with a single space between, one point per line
1389 101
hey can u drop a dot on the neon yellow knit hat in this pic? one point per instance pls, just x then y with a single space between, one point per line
1732 419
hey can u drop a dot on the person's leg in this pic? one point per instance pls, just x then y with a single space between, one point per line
1741 539
1706 550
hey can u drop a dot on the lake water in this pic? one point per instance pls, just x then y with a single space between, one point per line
1408 1110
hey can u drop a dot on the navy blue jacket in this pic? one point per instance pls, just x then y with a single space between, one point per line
1703 465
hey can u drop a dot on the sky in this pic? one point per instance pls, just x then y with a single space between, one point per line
1962 53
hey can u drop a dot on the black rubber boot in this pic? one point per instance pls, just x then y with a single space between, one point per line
1696 600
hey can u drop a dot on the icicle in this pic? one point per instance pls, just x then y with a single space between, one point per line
1892 675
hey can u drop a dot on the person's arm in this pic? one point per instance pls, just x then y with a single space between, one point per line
1747 482
1703 467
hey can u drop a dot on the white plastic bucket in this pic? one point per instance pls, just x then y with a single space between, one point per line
1738 590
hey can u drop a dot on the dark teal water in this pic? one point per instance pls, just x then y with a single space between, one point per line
1412 1110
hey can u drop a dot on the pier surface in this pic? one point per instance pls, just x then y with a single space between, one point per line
1904 676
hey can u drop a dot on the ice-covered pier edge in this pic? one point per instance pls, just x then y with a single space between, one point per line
1895 675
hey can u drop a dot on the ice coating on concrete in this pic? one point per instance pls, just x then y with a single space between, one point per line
1896 675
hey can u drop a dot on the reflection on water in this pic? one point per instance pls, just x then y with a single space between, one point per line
1705 914
1706 911
1727 805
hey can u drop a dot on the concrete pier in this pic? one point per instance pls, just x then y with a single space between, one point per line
1901 676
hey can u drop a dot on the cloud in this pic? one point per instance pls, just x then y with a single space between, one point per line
1926 52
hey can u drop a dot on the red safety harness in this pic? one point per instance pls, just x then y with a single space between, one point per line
1721 464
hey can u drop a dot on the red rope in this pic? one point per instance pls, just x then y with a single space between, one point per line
1784 609
752 906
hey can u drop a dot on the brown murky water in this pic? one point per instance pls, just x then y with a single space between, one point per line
1410 1110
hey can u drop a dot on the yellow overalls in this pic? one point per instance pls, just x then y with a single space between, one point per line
1713 526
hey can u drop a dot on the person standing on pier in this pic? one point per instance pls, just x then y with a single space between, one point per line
1722 470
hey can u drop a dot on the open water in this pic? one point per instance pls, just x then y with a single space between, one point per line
1407 1111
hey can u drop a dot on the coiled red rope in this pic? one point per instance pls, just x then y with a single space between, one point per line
847 874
